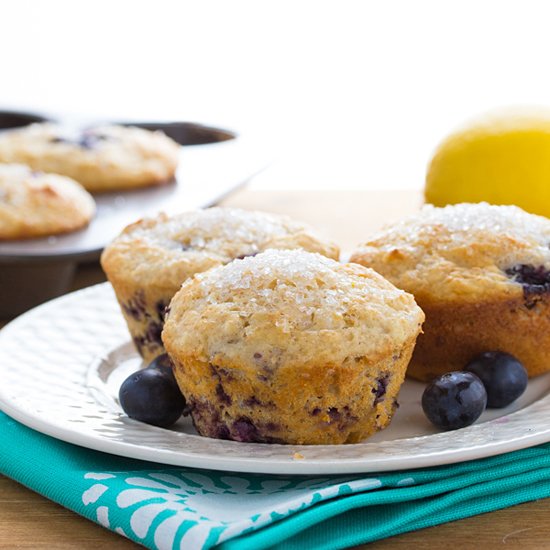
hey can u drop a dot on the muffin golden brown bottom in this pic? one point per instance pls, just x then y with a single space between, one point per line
454 334
144 311
338 403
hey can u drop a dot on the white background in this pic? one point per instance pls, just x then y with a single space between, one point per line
352 94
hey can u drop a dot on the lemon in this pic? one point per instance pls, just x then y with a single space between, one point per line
501 158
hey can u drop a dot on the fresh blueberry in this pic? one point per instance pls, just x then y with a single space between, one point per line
536 278
88 139
535 281
164 364
454 400
152 396
244 430
503 376
380 390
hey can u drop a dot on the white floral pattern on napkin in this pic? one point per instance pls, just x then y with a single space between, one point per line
190 510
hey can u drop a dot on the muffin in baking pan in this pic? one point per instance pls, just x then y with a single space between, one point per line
35 204
101 158
480 272
150 260
291 347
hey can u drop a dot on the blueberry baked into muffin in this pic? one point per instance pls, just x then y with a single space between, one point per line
35 204
150 260
291 347
481 273
103 158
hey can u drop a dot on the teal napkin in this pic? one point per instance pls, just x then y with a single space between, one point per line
166 507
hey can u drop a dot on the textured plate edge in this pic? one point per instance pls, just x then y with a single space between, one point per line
274 467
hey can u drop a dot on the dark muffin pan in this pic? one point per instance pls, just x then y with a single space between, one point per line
16 119
187 133
214 161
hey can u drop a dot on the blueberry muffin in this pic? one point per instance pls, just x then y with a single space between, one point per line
150 260
291 347
481 273
104 158
35 204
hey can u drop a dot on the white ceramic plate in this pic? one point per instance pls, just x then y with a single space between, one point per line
61 365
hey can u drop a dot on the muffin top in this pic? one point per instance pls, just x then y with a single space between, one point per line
463 253
165 251
285 308
34 204
101 158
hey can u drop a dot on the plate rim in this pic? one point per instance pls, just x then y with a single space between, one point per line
289 465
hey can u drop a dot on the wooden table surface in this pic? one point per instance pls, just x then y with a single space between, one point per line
28 520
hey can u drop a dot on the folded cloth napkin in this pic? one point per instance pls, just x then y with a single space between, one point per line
168 507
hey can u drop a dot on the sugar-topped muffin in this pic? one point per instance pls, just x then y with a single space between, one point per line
35 204
291 347
102 158
480 272
150 260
